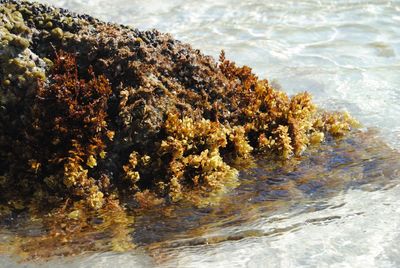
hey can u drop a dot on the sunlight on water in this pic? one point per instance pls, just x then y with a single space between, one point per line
347 54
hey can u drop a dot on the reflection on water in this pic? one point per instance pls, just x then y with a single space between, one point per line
275 199
337 205
271 188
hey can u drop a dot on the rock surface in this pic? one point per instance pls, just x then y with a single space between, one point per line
94 115
91 109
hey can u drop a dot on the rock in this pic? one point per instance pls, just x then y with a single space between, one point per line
96 117
87 101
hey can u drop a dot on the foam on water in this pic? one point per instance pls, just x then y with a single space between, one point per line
347 54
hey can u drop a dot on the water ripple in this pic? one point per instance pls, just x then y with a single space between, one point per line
347 54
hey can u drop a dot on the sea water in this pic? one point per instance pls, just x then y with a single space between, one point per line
347 55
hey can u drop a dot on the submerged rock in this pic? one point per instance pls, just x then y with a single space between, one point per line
96 115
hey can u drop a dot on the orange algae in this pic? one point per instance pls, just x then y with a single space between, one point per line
116 116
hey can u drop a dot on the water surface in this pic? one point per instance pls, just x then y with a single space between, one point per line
347 54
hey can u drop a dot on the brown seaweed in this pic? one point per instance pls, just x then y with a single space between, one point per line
95 116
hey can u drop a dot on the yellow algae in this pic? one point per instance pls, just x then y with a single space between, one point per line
97 116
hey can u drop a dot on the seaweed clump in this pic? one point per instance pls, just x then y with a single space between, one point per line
70 114
96 115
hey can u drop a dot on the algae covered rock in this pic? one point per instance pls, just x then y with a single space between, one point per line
95 112
102 125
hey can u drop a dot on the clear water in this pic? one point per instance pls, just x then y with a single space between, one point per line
347 54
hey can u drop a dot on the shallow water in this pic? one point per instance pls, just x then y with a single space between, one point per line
347 54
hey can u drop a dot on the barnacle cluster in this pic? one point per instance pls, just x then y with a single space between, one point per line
94 115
